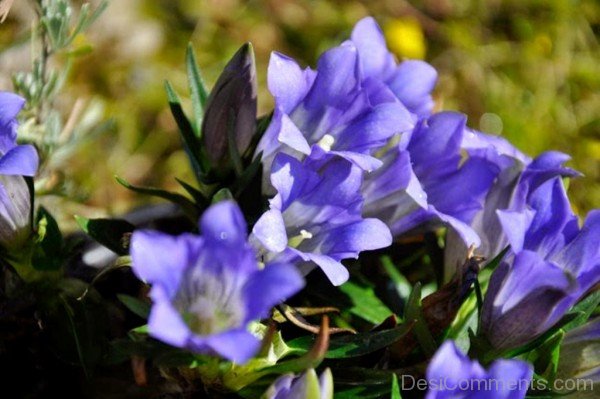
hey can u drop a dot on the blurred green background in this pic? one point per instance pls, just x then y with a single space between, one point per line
529 70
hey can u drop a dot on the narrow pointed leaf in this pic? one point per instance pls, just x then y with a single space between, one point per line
197 88
191 142
186 205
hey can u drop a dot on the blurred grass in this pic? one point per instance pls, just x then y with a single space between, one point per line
529 70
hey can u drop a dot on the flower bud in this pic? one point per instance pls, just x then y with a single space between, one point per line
231 108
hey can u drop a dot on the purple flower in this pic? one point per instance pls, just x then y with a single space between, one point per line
518 176
451 374
305 386
553 264
425 181
329 108
411 81
207 289
16 161
315 218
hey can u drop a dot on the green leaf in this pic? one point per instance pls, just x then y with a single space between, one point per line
196 194
137 306
585 308
402 285
48 250
143 330
395 388
222 195
191 141
114 234
414 313
545 357
186 204
365 303
353 345
197 88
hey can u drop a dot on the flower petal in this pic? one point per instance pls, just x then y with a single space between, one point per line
413 83
225 224
286 82
21 160
269 287
270 231
239 346
375 58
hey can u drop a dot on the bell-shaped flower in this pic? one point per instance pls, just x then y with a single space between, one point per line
518 176
426 182
328 108
451 374
410 81
553 264
315 218
306 386
16 161
207 289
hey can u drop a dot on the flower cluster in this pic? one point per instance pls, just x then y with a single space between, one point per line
354 157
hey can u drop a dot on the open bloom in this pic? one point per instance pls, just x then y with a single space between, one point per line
553 264
424 180
451 374
518 176
306 386
207 289
16 161
329 108
315 218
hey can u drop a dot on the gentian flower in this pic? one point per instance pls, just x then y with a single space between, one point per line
207 289
305 386
411 81
425 182
315 218
451 374
518 176
553 264
16 161
328 108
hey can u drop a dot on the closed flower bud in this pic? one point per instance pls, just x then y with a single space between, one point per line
231 108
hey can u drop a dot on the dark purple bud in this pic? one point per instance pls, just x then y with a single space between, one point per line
231 108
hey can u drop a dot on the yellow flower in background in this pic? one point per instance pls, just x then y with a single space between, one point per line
405 38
